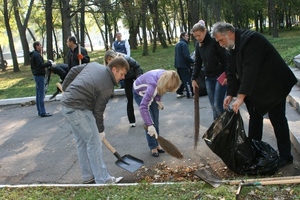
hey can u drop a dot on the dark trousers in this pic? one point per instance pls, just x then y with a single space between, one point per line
279 123
185 77
128 83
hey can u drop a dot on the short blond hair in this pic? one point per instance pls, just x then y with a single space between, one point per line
169 81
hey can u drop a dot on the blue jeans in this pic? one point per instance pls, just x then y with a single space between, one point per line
89 146
216 94
40 94
185 77
154 112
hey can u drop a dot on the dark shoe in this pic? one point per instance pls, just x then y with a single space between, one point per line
46 115
283 162
160 151
155 154
92 181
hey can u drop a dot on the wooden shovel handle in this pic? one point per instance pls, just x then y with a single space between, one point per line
79 52
109 146
273 182
236 182
59 86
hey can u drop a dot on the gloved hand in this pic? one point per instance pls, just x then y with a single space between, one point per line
152 132
160 105
80 56
53 65
102 135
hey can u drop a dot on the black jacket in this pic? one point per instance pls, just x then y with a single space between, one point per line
212 56
135 69
257 70
37 63
183 58
72 57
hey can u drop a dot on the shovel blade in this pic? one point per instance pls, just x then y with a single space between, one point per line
208 177
130 163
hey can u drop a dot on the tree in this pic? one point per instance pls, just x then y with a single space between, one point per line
144 26
66 23
49 29
6 13
23 27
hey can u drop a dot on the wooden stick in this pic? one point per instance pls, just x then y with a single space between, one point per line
79 52
196 117
59 86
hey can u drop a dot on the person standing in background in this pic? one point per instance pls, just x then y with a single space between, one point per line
121 46
214 58
73 55
259 77
183 62
134 72
38 71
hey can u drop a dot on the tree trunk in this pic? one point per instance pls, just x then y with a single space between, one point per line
183 27
66 24
273 19
22 29
194 11
10 36
49 28
82 19
131 10
144 27
89 38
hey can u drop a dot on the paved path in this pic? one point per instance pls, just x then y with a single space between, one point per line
42 150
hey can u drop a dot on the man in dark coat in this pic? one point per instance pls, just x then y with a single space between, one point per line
183 62
73 56
38 71
259 77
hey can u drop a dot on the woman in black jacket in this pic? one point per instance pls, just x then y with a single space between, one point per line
215 61
134 71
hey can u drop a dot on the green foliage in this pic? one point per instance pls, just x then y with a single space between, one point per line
21 84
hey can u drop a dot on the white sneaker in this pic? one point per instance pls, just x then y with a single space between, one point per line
132 124
180 95
114 180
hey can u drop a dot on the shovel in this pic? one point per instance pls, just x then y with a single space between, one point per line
212 180
126 162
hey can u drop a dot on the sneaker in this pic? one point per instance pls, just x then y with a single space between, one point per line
132 124
114 180
92 181
180 95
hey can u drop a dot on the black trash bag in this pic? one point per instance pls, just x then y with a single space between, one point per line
226 138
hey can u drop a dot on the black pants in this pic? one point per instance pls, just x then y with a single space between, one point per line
279 123
185 77
128 83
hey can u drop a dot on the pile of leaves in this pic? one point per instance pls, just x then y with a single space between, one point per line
165 173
